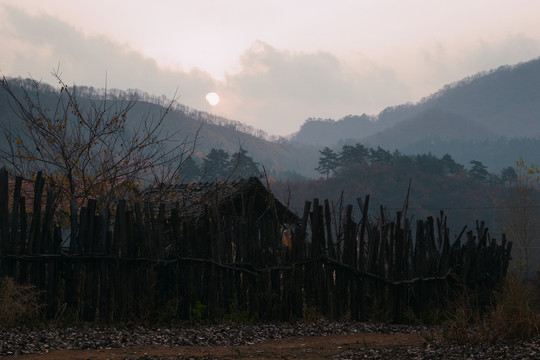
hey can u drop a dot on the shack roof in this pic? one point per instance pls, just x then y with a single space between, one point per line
240 197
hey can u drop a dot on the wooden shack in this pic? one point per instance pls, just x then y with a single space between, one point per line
238 198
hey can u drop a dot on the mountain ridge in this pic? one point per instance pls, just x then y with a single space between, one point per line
481 117
490 98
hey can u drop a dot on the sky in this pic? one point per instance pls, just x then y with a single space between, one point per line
273 63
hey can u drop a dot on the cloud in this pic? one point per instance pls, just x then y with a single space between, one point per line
271 88
274 90
39 44
436 63
279 89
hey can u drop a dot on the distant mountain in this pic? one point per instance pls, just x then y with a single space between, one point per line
506 101
433 125
278 155
317 131
493 117
489 108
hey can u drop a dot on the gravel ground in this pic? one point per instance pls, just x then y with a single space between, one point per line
20 341
442 350
28 341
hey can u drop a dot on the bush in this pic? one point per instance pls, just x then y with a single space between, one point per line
19 303
511 317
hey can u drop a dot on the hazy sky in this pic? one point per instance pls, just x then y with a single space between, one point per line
273 63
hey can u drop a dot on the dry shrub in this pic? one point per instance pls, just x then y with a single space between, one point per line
513 317
463 323
19 303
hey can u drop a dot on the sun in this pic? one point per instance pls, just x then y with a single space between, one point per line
212 98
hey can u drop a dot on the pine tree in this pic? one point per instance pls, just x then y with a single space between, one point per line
190 171
328 162
243 165
216 165
509 175
451 167
353 155
478 171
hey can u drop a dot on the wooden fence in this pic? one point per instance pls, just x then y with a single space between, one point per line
142 262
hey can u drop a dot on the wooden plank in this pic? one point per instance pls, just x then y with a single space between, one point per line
390 256
349 257
398 298
364 206
329 237
53 275
94 229
47 224
15 215
82 233
298 239
316 241
91 267
22 246
37 269
73 246
9 241
119 289
159 232
23 220
103 247
5 239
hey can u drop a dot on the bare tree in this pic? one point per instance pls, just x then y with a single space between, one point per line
89 148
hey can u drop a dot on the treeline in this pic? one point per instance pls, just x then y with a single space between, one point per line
495 153
90 93
424 184
333 163
219 165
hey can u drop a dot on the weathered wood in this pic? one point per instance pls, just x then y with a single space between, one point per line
235 261
316 241
9 239
5 241
34 236
329 238
53 268
73 245
23 220
15 216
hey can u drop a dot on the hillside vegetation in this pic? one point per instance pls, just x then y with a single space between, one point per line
494 115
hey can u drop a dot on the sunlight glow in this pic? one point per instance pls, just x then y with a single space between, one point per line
212 98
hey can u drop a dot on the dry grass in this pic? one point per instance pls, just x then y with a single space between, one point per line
463 322
19 303
511 317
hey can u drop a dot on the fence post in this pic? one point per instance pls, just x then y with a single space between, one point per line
4 212
7 239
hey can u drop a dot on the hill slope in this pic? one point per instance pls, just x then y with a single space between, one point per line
432 125
506 101
184 123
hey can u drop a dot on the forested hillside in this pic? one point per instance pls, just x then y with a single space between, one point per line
279 157
492 116
435 184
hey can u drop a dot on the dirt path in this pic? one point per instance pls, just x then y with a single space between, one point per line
308 347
